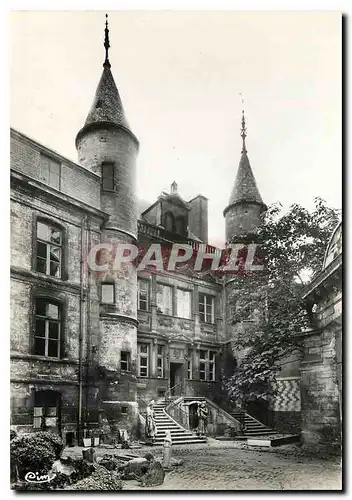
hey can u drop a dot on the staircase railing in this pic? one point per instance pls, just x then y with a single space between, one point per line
168 393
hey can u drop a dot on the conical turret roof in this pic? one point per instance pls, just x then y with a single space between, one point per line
245 188
107 105
107 108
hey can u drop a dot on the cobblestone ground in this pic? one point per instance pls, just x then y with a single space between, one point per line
232 467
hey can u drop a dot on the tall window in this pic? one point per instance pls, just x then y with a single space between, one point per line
160 364
47 328
108 293
189 365
143 356
164 299
211 372
183 303
206 308
169 222
207 365
202 365
49 249
125 361
181 226
50 171
107 177
143 295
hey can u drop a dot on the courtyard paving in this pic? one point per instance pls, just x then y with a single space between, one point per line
233 466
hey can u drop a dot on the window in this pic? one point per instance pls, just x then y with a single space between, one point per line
181 226
160 364
183 304
211 372
189 365
125 361
50 171
124 410
47 328
108 293
164 299
107 177
207 365
169 222
49 249
206 308
46 409
143 295
143 355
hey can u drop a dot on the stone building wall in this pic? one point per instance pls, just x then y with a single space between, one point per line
321 366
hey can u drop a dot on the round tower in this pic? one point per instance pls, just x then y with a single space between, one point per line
242 218
243 212
107 147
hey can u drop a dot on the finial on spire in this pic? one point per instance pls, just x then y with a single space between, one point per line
243 128
174 187
106 44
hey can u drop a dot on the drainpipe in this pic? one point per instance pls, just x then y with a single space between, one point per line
81 330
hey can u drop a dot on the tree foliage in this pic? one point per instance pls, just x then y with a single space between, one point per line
293 245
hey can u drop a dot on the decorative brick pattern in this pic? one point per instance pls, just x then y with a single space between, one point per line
288 397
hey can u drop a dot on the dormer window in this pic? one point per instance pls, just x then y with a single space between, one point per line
107 177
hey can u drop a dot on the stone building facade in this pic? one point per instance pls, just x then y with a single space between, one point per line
90 349
321 366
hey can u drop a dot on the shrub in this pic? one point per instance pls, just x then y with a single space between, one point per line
34 452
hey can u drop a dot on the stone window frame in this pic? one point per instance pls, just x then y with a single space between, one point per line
168 215
147 282
127 361
172 298
108 283
41 413
189 366
51 221
160 357
206 297
144 356
207 362
51 161
176 313
55 297
109 177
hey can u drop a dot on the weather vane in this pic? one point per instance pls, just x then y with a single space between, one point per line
106 44
243 128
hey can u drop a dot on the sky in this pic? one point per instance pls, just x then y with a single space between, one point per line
180 75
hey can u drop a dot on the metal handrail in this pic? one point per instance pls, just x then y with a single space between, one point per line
171 389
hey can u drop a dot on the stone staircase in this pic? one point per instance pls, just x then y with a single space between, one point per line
252 426
179 435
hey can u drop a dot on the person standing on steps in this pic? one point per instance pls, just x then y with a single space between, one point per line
150 427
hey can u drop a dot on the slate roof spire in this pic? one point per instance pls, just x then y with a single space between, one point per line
107 108
245 188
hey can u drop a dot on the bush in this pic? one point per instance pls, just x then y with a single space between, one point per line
34 452
56 441
100 480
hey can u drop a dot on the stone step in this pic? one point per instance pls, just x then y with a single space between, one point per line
173 432
181 440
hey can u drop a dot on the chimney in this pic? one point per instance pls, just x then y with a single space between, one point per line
198 217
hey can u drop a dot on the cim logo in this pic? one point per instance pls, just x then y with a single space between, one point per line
35 477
